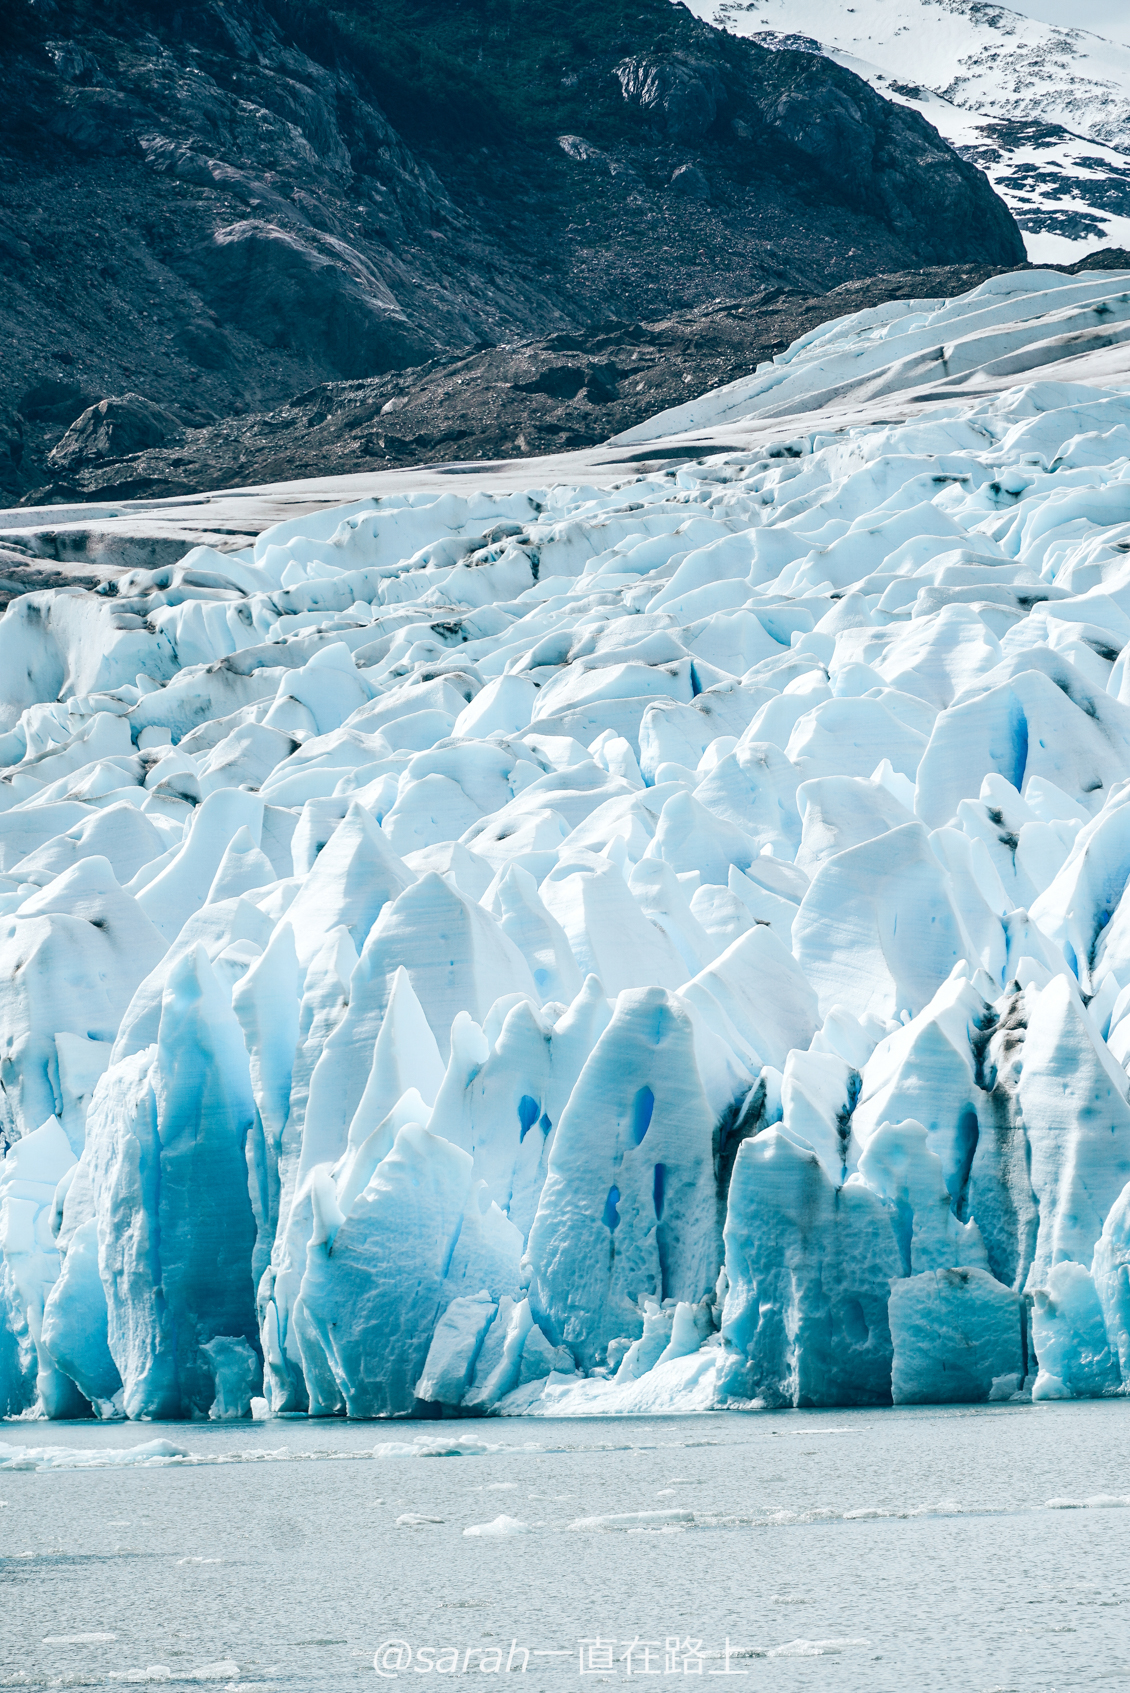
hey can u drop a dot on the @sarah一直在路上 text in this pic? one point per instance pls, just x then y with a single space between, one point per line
592 1655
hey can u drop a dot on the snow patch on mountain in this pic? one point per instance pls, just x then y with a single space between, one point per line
1043 109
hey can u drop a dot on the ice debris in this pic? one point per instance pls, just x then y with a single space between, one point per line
590 950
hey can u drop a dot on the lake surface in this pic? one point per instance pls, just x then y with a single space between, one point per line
968 1549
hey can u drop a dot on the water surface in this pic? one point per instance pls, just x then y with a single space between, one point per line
862 1551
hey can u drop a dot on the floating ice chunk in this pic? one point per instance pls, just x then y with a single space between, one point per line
813 1648
414 1519
78 1639
627 1520
954 1332
500 1528
155 1453
449 1445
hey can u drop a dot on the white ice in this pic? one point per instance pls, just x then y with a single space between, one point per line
578 949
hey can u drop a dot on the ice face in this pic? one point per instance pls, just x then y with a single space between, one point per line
621 948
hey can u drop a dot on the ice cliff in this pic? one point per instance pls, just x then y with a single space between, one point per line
591 949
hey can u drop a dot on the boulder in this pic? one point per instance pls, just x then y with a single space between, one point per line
689 181
113 429
309 293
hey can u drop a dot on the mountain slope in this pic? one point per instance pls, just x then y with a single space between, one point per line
270 196
1043 110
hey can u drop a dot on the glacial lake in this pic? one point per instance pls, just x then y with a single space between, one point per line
962 1549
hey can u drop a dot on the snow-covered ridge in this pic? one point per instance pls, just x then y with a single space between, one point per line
1043 110
582 949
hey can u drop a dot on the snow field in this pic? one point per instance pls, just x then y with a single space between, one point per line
580 951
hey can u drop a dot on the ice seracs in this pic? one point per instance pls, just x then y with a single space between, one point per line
602 950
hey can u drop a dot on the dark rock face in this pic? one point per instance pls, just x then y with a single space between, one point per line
682 96
886 159
207 205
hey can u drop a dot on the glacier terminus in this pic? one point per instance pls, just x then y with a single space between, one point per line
541 945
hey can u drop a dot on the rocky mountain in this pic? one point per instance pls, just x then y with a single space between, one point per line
208 209
1042 108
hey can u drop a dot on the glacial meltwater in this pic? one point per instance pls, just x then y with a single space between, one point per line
866 1551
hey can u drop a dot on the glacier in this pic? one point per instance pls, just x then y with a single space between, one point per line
658 943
